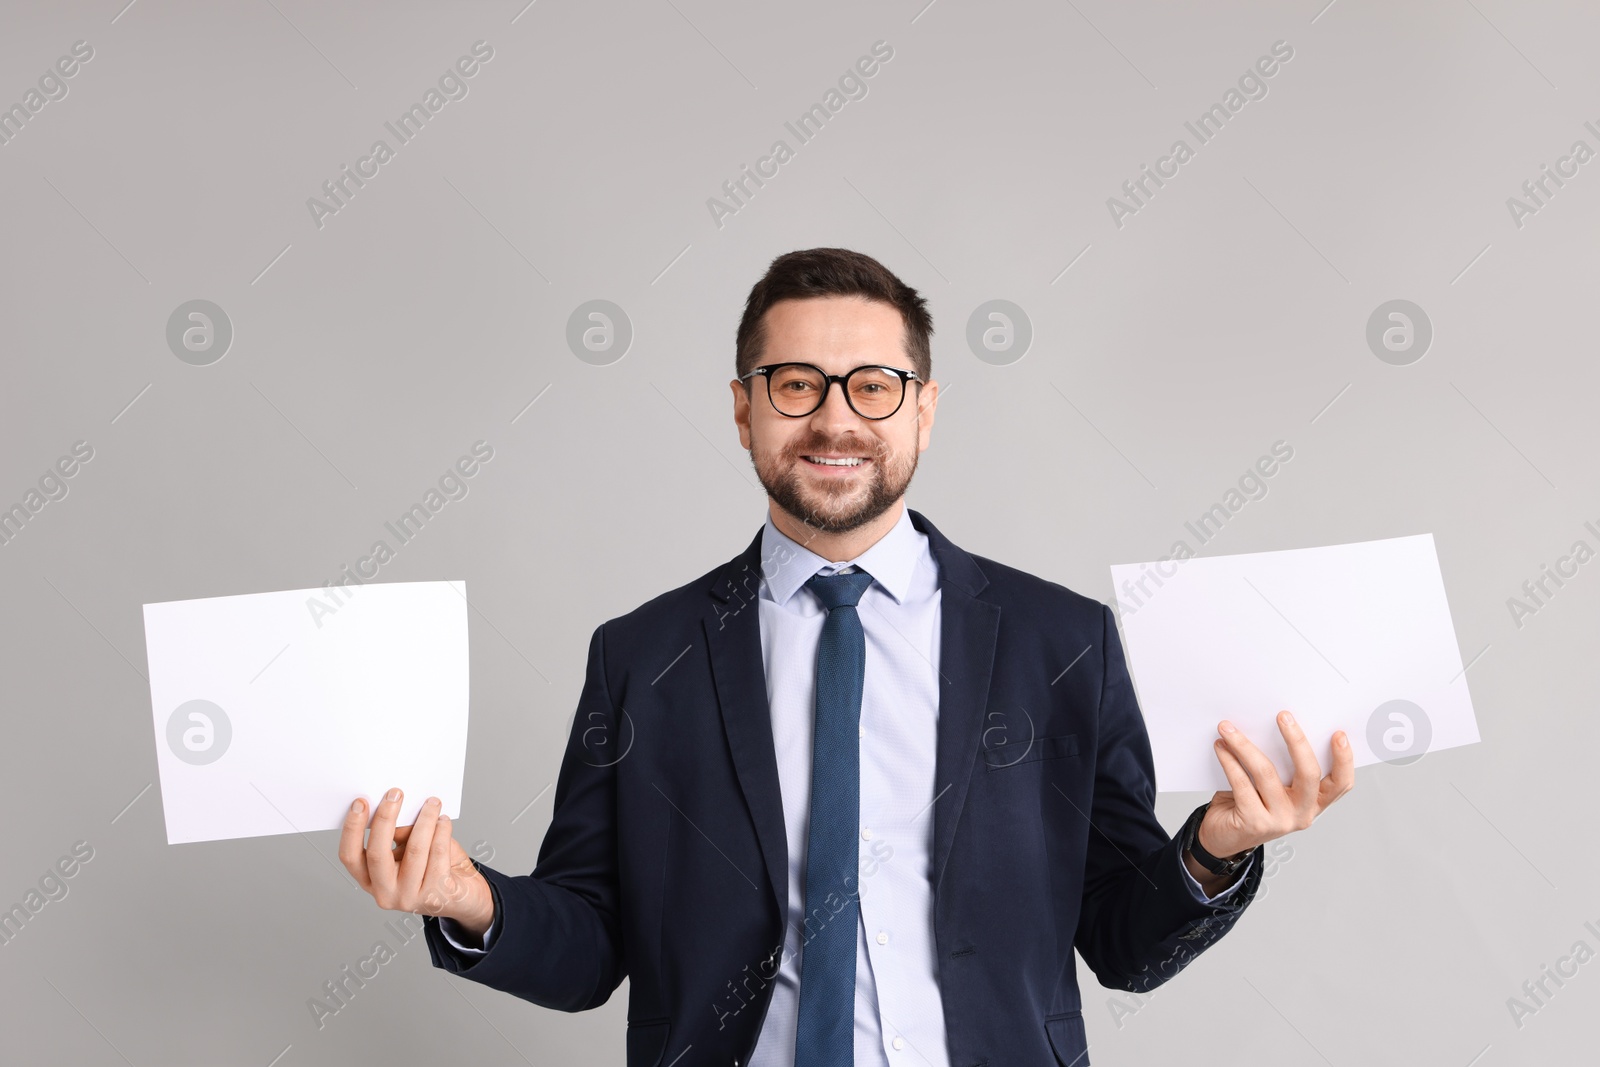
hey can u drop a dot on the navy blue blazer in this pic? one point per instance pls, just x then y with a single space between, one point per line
666 860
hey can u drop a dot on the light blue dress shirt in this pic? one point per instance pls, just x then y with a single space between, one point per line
899 1017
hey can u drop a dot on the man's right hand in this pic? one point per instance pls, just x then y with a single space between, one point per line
418 868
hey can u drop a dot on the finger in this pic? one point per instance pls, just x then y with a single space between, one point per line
442 883
1262 770
1303 796
380 847
351 852
1245 798
402 834
1342 778
414 865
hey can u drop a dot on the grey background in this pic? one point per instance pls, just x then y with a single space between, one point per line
369 354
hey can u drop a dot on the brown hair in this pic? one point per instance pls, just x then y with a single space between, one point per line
814 272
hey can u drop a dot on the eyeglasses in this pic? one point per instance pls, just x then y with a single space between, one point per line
798 389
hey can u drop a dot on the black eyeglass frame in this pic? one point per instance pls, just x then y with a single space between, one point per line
828 380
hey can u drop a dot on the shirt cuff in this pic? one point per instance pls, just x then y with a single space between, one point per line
454 934
1199 894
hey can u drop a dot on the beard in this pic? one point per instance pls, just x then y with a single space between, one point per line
833 505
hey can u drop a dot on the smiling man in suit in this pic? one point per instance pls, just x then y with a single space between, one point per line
856 795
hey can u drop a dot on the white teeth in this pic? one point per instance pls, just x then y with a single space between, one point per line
852 461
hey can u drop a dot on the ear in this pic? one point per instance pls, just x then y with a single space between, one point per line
927 401
741 412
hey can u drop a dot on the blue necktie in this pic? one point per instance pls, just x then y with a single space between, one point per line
826 1033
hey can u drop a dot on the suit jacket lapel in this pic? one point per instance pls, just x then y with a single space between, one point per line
967 634
968 628
733 634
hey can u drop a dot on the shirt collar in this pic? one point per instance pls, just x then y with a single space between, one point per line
786 565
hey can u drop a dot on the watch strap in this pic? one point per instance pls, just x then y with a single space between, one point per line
1191 843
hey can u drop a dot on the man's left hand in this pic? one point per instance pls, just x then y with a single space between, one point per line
1260 807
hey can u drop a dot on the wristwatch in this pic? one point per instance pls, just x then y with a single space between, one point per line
1190 836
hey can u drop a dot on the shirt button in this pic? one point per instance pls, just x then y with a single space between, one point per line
899 1042
861 730
883 938
866 833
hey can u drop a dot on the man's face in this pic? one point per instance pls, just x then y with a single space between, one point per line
837 334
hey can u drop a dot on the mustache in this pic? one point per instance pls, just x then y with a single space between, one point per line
855 446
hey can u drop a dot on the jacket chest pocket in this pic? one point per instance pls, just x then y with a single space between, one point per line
1015 753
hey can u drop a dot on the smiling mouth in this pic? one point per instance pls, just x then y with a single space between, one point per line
836 462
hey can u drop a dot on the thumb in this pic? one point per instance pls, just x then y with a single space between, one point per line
460 862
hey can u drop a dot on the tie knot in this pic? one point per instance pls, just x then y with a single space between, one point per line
839 590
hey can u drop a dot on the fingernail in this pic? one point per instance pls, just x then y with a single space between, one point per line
394 794
435 801
1288 719
355 809
1227 727
1342 741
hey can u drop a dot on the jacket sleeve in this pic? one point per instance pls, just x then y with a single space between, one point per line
458 938
1139 923
556 931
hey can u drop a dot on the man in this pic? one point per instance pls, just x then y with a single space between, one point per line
855 796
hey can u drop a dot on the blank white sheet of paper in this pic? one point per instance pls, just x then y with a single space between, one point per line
1355 637
273 711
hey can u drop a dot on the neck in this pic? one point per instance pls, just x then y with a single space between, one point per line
836 547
